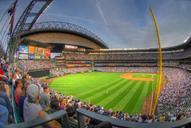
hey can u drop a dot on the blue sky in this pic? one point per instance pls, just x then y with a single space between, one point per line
121 23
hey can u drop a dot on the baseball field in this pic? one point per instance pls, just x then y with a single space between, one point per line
119 91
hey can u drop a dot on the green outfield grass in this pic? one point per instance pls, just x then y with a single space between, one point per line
107 89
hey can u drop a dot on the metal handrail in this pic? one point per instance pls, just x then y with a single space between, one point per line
128 124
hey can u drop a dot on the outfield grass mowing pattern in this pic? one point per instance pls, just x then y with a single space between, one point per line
107 89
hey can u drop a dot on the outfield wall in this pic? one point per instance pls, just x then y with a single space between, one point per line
39 73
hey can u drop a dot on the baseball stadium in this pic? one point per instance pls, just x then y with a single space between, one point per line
95 64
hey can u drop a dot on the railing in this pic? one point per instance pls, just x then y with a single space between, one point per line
81 113
40 121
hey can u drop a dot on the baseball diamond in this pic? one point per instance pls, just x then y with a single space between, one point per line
117 91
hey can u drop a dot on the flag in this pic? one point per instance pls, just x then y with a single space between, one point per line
11 12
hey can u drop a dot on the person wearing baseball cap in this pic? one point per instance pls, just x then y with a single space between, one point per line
32 108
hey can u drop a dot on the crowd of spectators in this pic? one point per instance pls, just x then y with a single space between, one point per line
185 66
126 69
174 101
27 65
33 96
172 114
5 94
121 55
23 90
60 71
108 56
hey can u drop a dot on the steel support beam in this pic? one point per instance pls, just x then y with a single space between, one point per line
25 23
29 17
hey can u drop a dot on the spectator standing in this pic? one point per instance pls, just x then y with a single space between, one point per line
3 116
45 97
18 90
31 104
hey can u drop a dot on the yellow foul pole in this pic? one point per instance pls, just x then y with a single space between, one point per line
160 70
